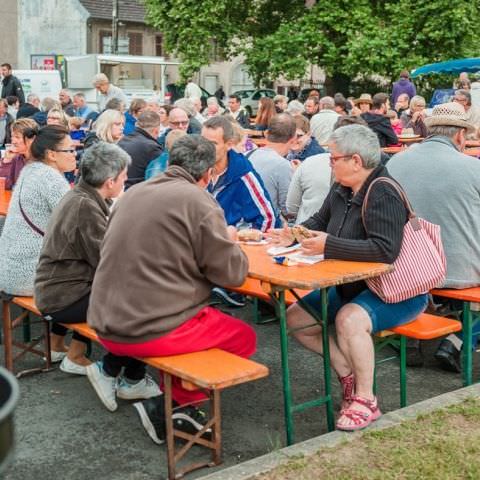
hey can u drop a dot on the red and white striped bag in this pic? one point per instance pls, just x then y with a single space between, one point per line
421 264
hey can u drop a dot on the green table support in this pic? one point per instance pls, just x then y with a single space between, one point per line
467 344
289 407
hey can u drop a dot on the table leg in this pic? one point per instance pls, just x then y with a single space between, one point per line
287 390
326 361
467 344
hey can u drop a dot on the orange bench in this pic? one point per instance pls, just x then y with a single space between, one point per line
211 370
465 295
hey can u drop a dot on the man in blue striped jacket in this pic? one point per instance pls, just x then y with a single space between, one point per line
236 185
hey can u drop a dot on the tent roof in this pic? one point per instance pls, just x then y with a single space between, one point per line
469 65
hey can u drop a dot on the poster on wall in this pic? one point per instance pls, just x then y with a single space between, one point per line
43 62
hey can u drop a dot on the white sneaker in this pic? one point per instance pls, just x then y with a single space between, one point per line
145 388
56 357
68 366
103 385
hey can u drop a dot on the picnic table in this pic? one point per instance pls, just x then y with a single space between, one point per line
473 152
5 196
276 280
472 143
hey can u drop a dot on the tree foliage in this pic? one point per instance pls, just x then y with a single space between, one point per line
346 38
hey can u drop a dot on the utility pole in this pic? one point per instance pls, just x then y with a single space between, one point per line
115 27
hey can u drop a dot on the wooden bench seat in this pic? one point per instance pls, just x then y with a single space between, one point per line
210 370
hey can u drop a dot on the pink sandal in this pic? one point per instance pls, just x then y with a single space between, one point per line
360 419
348 387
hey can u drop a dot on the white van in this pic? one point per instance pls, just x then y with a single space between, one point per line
44 83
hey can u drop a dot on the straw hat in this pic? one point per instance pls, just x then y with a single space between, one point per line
449 114
364 98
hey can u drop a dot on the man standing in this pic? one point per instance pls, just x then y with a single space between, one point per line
166 245
236 110
107 91
142 146
442 184
403 85
379 122
11 85
6 121
270 162
322 123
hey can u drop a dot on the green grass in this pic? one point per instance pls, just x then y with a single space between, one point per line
443 445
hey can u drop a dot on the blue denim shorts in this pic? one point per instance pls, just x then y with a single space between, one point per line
383 315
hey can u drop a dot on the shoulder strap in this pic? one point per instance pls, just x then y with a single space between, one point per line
25 216
412 217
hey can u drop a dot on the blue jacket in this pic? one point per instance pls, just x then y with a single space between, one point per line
130 122
242 195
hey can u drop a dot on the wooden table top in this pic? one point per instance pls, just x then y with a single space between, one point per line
259 142
5 196
408 140
308 277
392 150
472 143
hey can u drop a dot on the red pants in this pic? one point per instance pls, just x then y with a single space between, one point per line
209 328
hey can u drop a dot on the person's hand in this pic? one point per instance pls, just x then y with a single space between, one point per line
232 233
281 237
315 245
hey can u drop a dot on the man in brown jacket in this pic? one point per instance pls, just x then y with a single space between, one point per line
166 245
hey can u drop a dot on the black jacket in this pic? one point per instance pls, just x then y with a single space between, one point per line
143 148
243 119
8 132
11 86
27 110
382 127
340 216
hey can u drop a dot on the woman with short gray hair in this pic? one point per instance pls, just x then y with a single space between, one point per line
71 251
338 231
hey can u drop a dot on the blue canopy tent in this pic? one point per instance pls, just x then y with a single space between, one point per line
469 65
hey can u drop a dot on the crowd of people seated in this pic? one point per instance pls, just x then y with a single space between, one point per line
128 219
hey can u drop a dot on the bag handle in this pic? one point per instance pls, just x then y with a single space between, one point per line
412 216
25 216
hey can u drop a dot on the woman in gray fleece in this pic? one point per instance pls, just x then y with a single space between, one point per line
39 188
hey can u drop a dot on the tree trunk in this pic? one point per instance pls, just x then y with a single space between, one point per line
337 83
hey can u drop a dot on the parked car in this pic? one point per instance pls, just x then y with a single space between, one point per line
250 98
174 92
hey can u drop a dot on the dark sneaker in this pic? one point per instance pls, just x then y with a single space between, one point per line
231 299
190 420
152 416
448 356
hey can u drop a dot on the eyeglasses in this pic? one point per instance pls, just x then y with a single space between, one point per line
300 135
65 150
335 158
179 124
459 100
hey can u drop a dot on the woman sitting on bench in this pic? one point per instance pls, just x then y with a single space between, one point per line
70 256
338 232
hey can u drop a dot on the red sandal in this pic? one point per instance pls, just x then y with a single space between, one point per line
348 387
360 419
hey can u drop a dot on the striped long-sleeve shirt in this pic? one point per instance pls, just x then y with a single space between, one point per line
348 239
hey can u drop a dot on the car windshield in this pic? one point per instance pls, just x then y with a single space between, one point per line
244 93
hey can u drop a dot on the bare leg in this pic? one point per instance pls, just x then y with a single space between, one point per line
354 329
57 343
311 338
76 353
